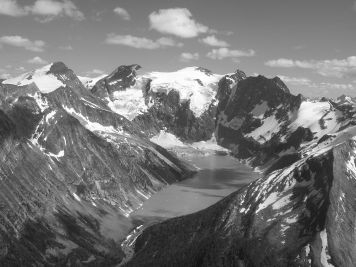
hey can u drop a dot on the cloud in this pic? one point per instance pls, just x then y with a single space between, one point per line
37 60
122 13
95 72
66 47
176 21
44 10
18 41
213 41
166 41
50 9
4 74
140 42
223 52
331 68
297 81
11 8
186 56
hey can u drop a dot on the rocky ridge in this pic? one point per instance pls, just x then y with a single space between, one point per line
71 171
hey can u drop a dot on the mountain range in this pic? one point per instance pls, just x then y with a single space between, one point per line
77 157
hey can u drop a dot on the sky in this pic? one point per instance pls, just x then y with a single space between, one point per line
310 44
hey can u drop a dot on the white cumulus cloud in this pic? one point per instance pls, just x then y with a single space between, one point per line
302 81
223 52
122 13
186 56
11 8
330 67
37 60
213 41
19 41
140 42
44 10
176 21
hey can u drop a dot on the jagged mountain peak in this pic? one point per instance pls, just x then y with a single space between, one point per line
58 68
123 71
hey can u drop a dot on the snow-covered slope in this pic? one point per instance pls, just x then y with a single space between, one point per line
194 84
42 78
89 82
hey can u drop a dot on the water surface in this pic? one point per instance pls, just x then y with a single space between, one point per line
219 176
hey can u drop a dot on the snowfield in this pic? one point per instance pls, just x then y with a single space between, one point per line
191 84
169 141
129 103
46 82
319 117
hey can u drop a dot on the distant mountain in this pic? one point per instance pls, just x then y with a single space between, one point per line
70 171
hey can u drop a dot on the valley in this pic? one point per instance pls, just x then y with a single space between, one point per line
143 170
218 175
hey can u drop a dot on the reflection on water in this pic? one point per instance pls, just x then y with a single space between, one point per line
218 177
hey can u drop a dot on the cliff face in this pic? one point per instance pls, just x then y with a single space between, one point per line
302 215
71 170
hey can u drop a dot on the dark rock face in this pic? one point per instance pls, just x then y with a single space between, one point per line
168 113
236 118
70 171
120 79
284 219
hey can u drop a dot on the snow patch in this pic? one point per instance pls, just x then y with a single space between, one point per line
41 101
324 254
129 103
167 140
208 145
259 110
76 197
264 133
94 126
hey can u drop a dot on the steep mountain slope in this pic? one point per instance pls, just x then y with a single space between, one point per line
71 170
302 215
262 122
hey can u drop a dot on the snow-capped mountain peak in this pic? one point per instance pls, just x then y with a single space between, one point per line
44 78
192 83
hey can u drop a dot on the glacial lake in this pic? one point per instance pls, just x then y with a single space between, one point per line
218 176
